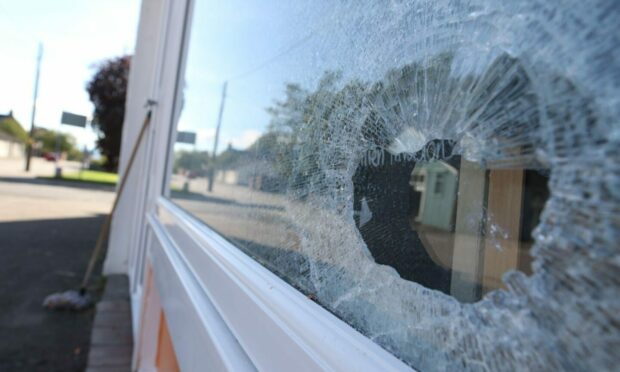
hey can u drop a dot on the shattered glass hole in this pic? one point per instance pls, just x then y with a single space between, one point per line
527 92
447 223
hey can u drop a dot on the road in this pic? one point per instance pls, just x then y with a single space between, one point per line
38 167
47 232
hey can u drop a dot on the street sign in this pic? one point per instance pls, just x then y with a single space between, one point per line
186 137
73 119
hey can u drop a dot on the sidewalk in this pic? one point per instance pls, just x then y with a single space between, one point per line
38 167
47 233
111 344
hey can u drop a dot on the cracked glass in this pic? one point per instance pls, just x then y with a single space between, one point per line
441 175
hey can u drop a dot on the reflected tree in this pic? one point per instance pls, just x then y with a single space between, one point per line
192 163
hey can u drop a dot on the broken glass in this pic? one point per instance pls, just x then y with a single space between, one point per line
441 175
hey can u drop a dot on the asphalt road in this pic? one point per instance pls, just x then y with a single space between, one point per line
47 232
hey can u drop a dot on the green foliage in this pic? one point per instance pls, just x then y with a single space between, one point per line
230 158
107 90
191 161
48 138
75 154
300 125
308 120
11 127
97 164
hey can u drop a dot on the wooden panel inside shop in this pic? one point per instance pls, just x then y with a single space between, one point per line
503 226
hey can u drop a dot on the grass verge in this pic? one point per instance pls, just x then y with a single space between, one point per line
89 176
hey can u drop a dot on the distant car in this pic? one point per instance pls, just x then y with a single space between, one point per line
49 156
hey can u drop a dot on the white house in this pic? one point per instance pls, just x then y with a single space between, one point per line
10 147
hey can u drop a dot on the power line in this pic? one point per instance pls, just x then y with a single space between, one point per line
270 60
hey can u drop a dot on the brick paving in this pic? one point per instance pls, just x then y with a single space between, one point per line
111 343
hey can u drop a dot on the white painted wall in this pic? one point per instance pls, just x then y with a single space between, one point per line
126 223
11 149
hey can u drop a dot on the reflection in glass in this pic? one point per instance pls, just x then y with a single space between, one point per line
394 177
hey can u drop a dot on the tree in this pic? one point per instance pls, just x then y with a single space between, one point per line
107 90
52 141
230 158
194 162
10 126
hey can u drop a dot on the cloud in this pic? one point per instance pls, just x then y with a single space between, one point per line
205 137
245 139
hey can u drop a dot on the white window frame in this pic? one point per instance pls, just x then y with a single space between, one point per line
224 310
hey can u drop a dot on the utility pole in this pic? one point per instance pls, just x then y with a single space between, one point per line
217 136
34 108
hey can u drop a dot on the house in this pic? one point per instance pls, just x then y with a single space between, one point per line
12 138
377 252
437 183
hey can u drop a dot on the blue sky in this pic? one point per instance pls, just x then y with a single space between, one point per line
228 39
75 36
257 46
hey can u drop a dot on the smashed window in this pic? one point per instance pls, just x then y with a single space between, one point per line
437 218
442 176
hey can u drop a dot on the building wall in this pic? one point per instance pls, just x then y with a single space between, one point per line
143 84
11 149
439 204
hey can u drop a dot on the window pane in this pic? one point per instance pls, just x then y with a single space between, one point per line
395 163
